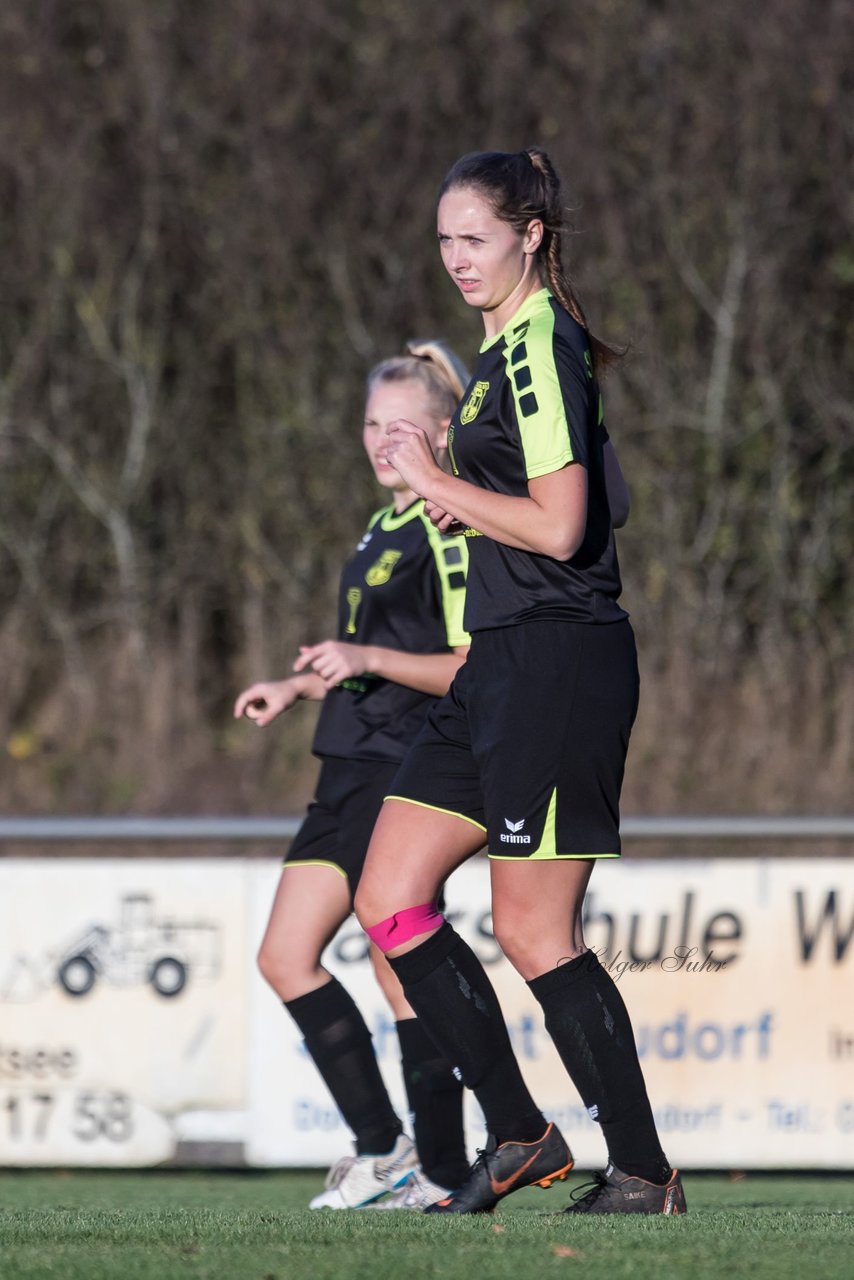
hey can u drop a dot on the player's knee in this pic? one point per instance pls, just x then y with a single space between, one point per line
269 963
368 907
403 926
289 975
518 940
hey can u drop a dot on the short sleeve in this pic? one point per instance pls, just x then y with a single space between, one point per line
551 391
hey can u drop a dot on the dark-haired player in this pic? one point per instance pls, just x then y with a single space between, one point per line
527 750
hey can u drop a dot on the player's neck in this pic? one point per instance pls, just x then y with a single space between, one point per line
403 498
499 317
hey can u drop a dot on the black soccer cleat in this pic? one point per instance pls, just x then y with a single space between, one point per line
498 1170
615 1192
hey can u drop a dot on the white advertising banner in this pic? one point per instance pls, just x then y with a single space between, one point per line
738 977
122 1007
132 1017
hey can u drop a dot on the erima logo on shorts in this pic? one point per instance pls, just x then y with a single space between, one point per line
514 828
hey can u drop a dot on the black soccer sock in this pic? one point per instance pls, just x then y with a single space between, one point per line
340 1044
589 1024
447 987
435 1098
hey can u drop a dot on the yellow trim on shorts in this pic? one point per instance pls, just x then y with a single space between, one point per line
314 862
549 837
547 857
438 809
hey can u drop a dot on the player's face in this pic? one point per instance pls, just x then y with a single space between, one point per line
387 403
493 266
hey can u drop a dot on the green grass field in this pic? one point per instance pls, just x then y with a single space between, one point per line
253 1226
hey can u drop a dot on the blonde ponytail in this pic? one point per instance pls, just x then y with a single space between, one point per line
434 365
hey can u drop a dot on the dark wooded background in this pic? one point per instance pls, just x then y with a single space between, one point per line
216 216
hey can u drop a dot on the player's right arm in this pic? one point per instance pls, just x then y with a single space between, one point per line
334 661
264 701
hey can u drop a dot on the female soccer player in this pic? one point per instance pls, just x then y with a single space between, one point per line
400 641
527 749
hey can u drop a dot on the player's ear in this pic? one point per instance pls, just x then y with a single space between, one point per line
533 236
442 433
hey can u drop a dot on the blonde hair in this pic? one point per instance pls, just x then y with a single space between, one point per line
434 365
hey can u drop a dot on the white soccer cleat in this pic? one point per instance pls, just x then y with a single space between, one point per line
331 1182
355 1181
416 1193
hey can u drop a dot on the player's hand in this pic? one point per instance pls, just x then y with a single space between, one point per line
410 453
443 520
264 701
333 661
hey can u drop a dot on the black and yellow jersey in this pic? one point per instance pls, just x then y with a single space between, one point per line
404 588
532 406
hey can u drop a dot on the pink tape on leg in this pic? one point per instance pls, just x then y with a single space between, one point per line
404 925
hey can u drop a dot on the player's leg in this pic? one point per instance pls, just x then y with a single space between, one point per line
314 897
537 921
311 903
435 1096
414 848
537 904
389 985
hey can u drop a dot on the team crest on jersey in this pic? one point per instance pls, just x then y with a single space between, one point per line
471 408
382 569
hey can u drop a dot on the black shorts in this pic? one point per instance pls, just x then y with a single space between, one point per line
340 820
530 741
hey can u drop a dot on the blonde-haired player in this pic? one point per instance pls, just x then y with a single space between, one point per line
400 640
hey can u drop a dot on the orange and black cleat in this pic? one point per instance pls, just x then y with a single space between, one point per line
499 1170
615 1192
